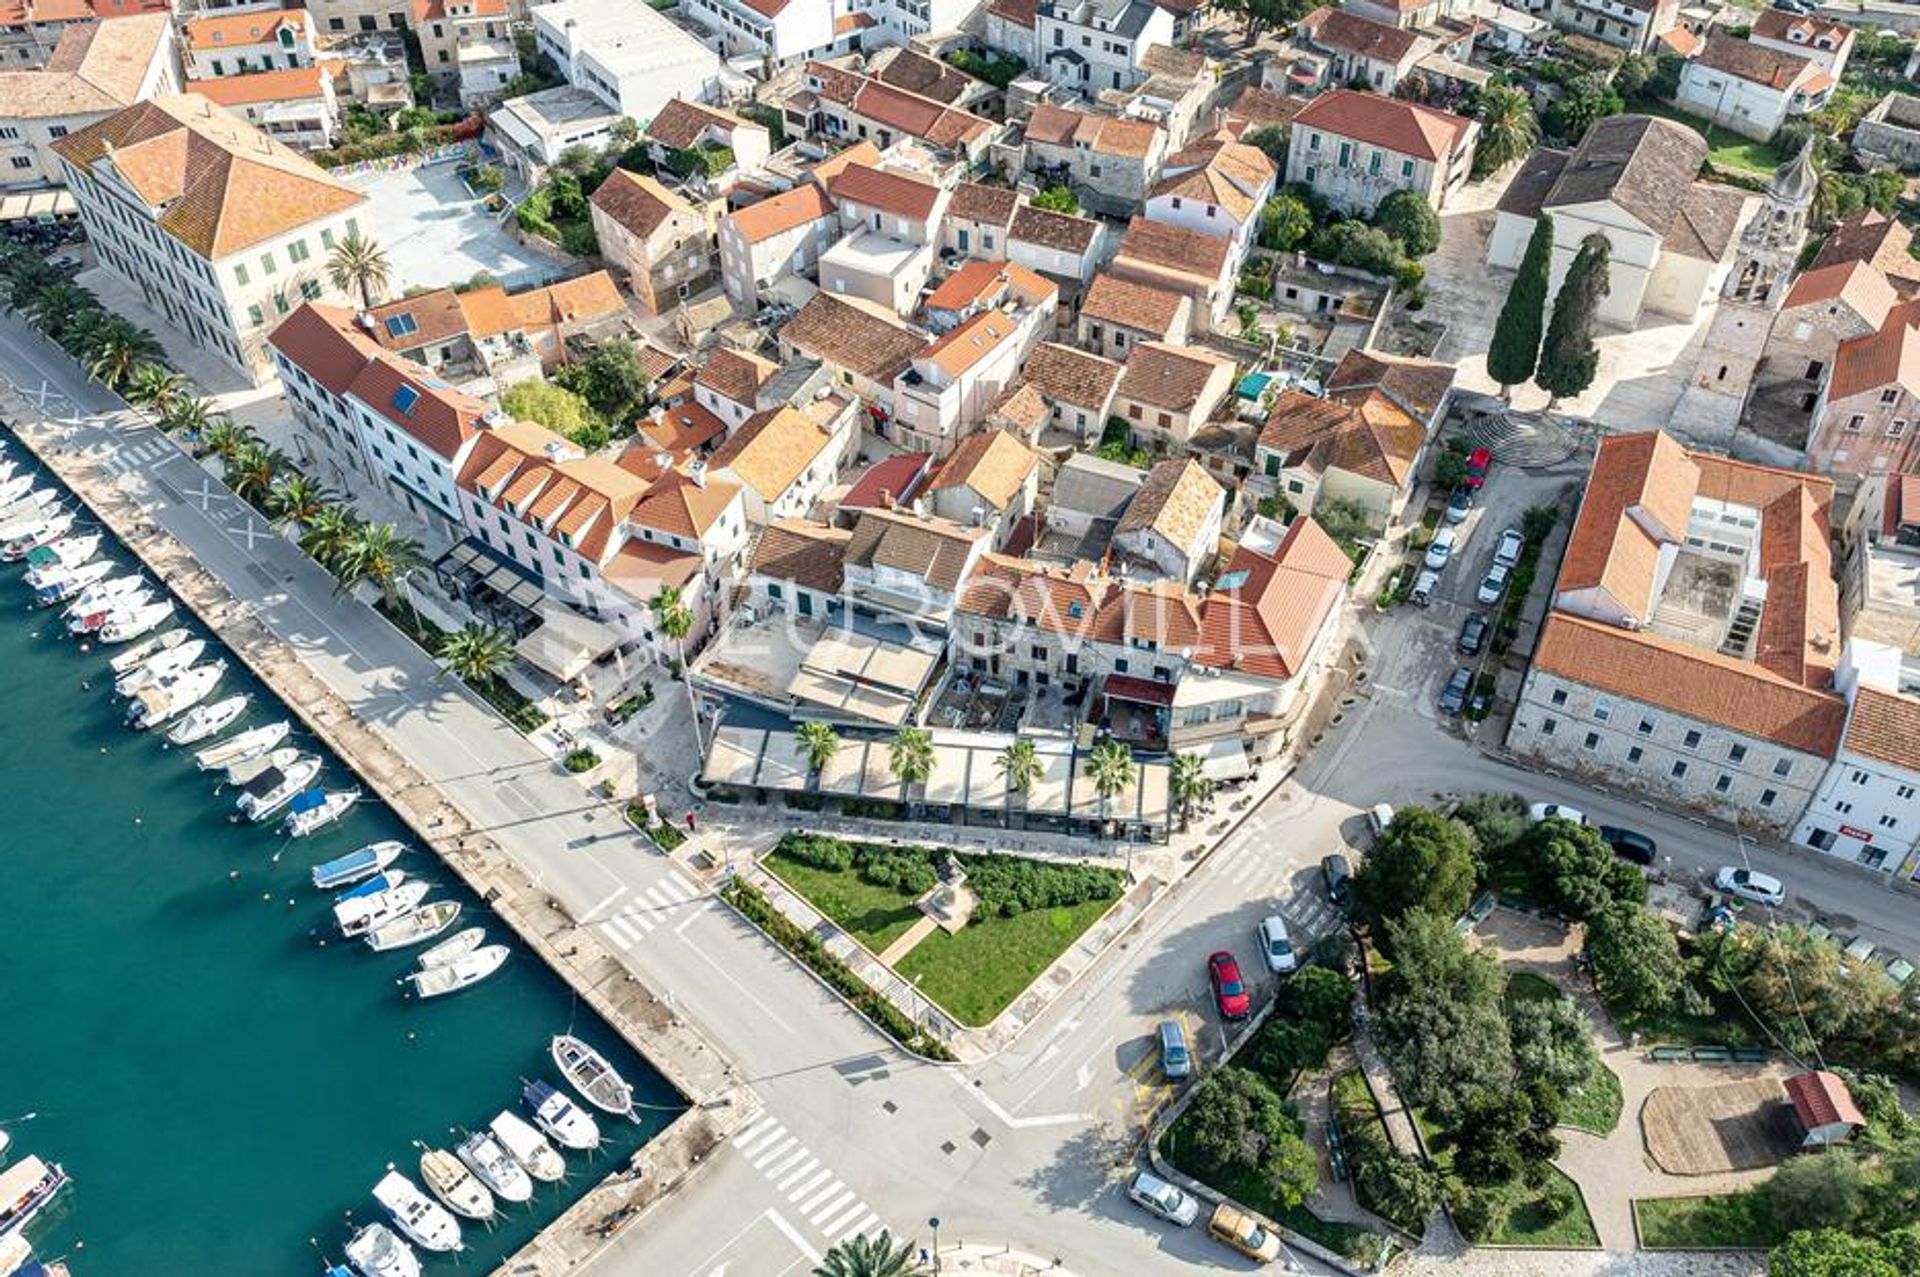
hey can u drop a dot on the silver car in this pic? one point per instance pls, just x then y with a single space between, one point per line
1508 551
1163 1199
1750 884
1276 946
1494 584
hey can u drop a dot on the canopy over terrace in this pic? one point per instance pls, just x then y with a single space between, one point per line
38 206
497 587
566 644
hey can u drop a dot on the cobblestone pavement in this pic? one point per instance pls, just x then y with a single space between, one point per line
1445 1255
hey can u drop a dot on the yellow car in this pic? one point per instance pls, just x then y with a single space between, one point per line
1245 1232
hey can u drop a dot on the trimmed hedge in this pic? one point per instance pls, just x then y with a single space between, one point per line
1006 886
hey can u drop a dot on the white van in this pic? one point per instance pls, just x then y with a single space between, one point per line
1423 587
1379 817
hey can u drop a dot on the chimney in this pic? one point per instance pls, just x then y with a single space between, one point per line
886 499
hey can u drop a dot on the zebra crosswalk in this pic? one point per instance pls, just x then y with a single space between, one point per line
1256 874
137 455
649 909
835 1211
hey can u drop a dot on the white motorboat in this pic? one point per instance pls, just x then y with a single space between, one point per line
62 585
127 624
155 705
420 1219
493 1166
26 541
159 666
362 914
456 1186
106 594
315 810
249 770
249 744
375 1252
17 486
344 870
56 556
144 650
592 1076
459 945
274 788
563 1121
207 720
104 614
528 1146
422 924
461 973
25 1189
31 518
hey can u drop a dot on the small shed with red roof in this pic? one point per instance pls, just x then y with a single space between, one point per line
1824 1108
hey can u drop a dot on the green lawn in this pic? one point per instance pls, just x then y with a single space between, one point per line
1724 1219
1526 986
1725 149
876 916
1594 1107
1528 1226
975 973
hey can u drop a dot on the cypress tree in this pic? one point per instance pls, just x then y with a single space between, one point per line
1568 358
1516 334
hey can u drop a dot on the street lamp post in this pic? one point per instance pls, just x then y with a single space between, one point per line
934 1224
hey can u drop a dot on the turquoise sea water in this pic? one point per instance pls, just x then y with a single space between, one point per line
222 1089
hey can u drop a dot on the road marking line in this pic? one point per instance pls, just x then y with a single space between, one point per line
766 1155
867 1225
833 1208
775 1171
817 1196
779 1221
687 921
806 1166
606 900
620 933
1012 1122
761 1123
675 885
660 900
747 1139
800 1192
839 1227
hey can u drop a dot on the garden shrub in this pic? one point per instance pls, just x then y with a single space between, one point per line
818 850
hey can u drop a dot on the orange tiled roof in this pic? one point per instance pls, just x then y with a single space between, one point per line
888 191
1177 501
771 450
1886 726
683 506
288 85
1385 122
782 212
1058 600
992 463
1264 613
1885 358
1142 307
437 415
96 66
972 341
1855 283
638 203
326 343
238 30
1073 376
735 374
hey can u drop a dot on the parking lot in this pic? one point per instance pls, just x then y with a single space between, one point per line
436 233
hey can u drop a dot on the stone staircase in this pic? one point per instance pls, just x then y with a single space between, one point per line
1529 440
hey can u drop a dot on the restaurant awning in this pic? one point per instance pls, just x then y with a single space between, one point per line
1141 691
566 643
1224 760
38 206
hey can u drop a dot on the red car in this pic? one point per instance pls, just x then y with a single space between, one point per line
1229 990
1478 463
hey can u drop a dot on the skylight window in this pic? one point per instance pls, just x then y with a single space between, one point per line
405 398
1232 581
402 325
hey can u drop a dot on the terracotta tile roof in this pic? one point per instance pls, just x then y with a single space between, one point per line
848 336
810 555
1176 501
98 66
683 506
424 319
972 341
1706 220
1101 134
1264 613
680 123
1639 496
1682 41
973 202
1871 237
861 152
1853 283
1056 600
735 374
1062 231
1822 1099
1232 175
1174 248
986 283
992 463
292 85
327 344
1019 12
1385 122
1023 410
896 108
572 301
889 482
1167 60
782 212
1350 33
848 23
1255 106
1142 307
885 190
642 567
1163 613
935 550
639 203
1691 681
771 450
1886 358
1073 376
238 30
683 429
1418 385
929 77
1169 376
1777 24
1368 436
437 415
1885 726
1752 62
766 8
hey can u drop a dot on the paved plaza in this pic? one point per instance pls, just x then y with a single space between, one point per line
435 232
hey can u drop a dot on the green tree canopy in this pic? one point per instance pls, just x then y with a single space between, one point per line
1508 128
1552 1043
1423 861
1441 1024
1578 873
1239 1122
1817 1190
1568 356
611 380
1636 960
1360 246
559 410
1502 1132
1515 349
1411 221
1285 221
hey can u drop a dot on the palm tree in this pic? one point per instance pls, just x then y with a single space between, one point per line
251 470
294 500
155 387
327 535
1189 783
1508 128
910 755
477 653
78 331
55 306
675 619
120 349
1110 767
867 1257
1020 767
819 742
190 417
377 553
358 264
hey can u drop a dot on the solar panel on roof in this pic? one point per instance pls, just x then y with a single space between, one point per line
405 398
401 325
1232 581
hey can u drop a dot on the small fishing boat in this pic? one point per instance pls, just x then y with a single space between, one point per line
25 542
100 615
373 886
363 913
274 788
106 593
127 624
493 1166
461 973
589 1073
355 865
62 586
18 486
67 552
155 705
249 744
316 809
144 650
565 1122
528 1146
420 1219
208 720
423 924
7 468
460 944
245 773
455 1185
25 1189
159 666
375 1252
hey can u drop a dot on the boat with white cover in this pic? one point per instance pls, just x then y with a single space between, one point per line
62 586
158 666
363 913
25 542
249 744
127 624
274 788
456 1186
423 924
144 650
461 973
100 615
375 1252
21 486
565 1123
155 705
505 1178
588 1072
315 810
528 1146
457 945
208 720
420 1219
355 865
248 770
67 552
104 595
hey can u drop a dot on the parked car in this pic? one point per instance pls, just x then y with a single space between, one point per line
1335 873
1229 990
1453 697
1440 549
1507 553
1473 634
1479 461
1555 811
1750 884
1163 1199
1629 844
1460 504
1423 587
1493 584
1176 1058
1379 816
1276 946
65 263
1245 1232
